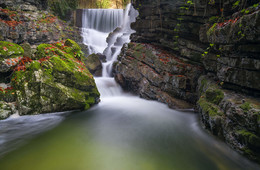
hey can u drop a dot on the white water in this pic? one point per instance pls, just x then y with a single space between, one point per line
97 25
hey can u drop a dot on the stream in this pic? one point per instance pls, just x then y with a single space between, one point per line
122 132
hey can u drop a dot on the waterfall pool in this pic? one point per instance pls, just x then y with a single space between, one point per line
123 132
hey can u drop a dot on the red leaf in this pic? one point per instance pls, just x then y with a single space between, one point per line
5 49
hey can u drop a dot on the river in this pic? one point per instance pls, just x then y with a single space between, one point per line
122 132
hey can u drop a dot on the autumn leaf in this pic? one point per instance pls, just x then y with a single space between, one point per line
5 49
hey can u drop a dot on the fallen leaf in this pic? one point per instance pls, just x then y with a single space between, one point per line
5 49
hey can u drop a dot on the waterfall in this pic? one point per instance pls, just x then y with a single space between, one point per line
117 39
102 20
106 30
96 26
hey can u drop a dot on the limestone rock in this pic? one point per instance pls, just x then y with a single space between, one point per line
56 80
150 72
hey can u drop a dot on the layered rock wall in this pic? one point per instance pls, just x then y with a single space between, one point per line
219 44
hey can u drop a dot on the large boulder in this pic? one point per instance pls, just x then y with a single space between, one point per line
57 80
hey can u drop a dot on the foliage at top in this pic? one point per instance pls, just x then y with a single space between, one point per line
63 8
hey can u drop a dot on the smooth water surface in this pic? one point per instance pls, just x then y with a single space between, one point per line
122 132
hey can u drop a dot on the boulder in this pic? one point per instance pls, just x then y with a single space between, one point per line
57 80
94 64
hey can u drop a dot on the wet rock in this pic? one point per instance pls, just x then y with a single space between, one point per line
232 117
150 72
94 64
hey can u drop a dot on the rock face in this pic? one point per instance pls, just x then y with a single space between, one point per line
232 117
55 79
216 39
29 21
157 74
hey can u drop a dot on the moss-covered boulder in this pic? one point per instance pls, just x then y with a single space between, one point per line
57 80
10 54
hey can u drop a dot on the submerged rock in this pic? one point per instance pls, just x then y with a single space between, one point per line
57 80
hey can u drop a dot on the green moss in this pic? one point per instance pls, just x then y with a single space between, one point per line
41 50
8 50
204 82
246 106
214 95
34 66
249 137
60 65
139 47
72 48
212 29
209 108
62 8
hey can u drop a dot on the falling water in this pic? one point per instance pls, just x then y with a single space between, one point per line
96 26
106 30
117 39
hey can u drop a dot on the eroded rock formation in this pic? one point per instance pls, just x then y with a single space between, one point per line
212 60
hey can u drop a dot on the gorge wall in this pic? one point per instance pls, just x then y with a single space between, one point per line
205 53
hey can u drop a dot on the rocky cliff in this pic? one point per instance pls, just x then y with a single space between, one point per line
203 52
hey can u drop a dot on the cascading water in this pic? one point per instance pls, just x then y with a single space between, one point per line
97 25
117 39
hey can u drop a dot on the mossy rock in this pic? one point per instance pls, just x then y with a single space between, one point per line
245 106
214 95
249 138
5 110
209 108
57 81
10 50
